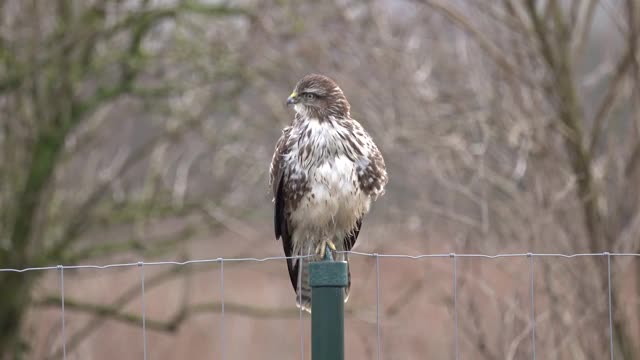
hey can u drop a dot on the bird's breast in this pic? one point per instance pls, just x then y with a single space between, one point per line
334 199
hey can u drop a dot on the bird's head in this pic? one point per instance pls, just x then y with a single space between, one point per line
317 96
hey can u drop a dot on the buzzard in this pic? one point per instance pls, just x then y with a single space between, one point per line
324 173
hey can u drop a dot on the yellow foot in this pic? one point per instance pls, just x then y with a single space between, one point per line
322 247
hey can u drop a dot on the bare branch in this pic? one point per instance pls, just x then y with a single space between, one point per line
145 248
78 220
172 325
613 91
582 26
541 33
485 44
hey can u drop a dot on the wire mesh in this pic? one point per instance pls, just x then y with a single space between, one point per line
300 318
143 311
222 339
377 256
609 304
456 347
533 306
378 335
272 258
62 315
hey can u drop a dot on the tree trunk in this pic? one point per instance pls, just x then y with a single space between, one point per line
14 302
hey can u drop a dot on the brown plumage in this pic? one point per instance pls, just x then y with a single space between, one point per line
324 173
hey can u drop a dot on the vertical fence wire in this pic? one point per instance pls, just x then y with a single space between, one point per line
300 318
222 325
456 347
533 305
378 339
64 333
144 315
610 306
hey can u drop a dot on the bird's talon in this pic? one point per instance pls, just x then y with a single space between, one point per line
331 245
322 248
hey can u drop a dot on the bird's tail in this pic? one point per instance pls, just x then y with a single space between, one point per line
303 290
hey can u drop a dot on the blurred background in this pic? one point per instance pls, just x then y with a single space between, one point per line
143 130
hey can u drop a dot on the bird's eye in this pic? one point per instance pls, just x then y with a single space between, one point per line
309 96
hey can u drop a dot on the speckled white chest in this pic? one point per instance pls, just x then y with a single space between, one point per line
335 202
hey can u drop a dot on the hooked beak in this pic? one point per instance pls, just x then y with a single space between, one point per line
292 99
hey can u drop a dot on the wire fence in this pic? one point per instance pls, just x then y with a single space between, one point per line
453 256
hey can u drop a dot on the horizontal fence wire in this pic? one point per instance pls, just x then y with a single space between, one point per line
271 258
377 256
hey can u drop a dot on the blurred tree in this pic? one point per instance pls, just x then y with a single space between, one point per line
507 126
557 147
70 73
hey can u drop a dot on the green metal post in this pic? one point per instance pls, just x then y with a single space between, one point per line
328 279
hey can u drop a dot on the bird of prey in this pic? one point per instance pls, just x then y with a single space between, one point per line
324 173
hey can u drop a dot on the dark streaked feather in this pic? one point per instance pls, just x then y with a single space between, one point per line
349 242
351 238
281 225
282 231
